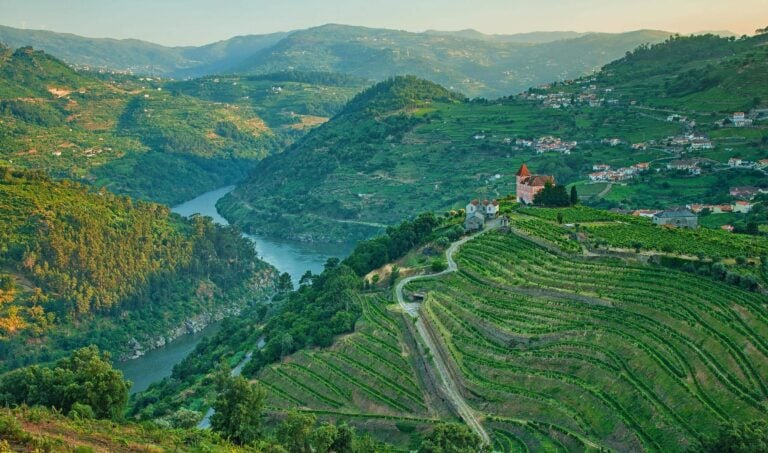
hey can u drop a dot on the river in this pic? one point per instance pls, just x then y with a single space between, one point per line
288 256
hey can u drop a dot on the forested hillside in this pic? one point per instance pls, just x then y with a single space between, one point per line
152 138
79 266
468 61
411 148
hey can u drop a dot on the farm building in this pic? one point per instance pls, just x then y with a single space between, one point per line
679 218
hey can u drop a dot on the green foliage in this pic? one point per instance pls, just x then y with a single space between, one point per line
312 315
735 437
452 438
239 408
396 242
93 256
295 432
152 139
552 196
85 384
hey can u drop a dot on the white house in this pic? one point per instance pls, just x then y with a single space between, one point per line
739 119
742 207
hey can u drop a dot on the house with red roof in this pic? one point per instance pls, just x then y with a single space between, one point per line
529 185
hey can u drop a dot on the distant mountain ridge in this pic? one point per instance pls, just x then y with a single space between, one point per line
468 61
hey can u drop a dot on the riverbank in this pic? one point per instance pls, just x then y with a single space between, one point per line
154 359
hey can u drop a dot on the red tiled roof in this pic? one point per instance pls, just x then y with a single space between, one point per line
523 171
539 180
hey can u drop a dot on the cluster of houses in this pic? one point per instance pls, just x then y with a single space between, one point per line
527 187
478 212
739 207
746 192
692 166
692 141
737 162
675 118
546 144
604 173
738 119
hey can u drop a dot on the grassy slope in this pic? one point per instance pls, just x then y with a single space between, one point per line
378 165
150 139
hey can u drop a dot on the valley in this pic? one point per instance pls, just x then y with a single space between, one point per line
354 239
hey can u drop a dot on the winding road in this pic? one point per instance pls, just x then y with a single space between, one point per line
450 386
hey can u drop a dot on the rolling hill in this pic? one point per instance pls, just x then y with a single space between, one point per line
150 138
467 61
408 145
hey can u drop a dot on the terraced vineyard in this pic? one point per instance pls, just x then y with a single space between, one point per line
574 354
369 374
681 241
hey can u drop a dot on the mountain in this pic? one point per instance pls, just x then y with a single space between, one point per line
476 67
151 138
536 37
140 57
406 145
467 61
81 266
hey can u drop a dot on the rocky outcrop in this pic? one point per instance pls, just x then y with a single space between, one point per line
262 285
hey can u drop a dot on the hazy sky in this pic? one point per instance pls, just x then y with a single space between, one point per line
188 22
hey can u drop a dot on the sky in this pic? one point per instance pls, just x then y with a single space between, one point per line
195 22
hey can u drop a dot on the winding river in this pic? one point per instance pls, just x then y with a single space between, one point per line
288 256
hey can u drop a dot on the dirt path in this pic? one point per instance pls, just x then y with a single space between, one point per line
450 387
605 191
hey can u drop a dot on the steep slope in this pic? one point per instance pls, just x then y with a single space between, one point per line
149 138
700 73
550 345
372 165
79 266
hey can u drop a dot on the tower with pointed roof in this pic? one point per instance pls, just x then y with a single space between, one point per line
529 185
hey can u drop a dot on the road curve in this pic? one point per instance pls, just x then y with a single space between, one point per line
449 385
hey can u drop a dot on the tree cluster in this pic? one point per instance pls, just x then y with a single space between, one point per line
85 382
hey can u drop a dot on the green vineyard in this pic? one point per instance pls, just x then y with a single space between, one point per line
370 374
570 354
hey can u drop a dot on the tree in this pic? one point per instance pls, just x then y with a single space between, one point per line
84 379
749 437
574 196
295 431
239 409
345 437
761 31
323 438
452 438
284 282
752 228
552 196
